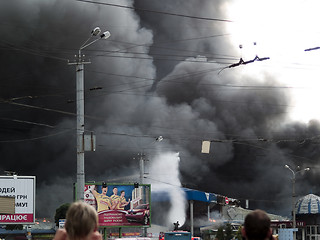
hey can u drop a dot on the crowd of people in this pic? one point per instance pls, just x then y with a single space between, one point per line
82 222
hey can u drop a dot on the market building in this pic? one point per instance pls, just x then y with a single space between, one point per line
308 212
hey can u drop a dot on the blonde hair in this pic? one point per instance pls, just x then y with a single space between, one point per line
81 220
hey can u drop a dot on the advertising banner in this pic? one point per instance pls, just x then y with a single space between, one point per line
120 205
17 193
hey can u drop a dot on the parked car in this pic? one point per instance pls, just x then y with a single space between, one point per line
139 214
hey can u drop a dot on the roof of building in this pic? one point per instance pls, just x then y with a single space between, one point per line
309 204
235 216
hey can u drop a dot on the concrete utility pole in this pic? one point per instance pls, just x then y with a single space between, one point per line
141 163
80 125
294 225
80 110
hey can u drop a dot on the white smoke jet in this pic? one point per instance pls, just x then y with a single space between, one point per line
164 169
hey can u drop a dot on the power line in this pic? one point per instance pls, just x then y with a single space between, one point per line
172 78
167 183
242 62
33 52
28 122
158 12
35 138
163 59
41 108
233 141
158 46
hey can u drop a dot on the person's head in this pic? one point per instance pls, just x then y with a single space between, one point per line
257 226
115 190
104 188
122 193
81 220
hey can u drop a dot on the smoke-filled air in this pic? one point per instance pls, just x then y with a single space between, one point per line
173 73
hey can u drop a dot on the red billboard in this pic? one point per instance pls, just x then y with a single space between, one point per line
120 205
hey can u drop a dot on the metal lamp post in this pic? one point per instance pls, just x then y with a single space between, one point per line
294 196
80 108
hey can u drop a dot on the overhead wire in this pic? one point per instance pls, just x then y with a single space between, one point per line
233 140
10 101
122 91
32 51
35 138
63 111
215 56
27 122
173 78
119 91
170 79
131 88
194 59
64 59
158 45
155 11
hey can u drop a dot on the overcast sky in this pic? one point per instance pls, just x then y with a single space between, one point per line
165 71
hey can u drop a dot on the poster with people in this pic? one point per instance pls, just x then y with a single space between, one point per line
120 204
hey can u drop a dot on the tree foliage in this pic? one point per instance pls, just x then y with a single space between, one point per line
220 234
228 232
61 212
238 234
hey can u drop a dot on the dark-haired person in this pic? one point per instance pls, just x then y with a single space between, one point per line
257 226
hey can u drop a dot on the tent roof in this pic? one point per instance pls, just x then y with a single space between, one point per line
309 204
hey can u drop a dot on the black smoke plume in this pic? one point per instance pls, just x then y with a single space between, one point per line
157 75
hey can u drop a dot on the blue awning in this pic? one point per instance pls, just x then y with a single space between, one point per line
200 196
190 194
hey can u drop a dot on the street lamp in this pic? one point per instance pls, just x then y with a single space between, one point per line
294 195
80 107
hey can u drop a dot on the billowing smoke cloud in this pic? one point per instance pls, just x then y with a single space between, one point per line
165 170
156 75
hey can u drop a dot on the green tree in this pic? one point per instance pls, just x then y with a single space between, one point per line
238 234
61 212
220 234
228 232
